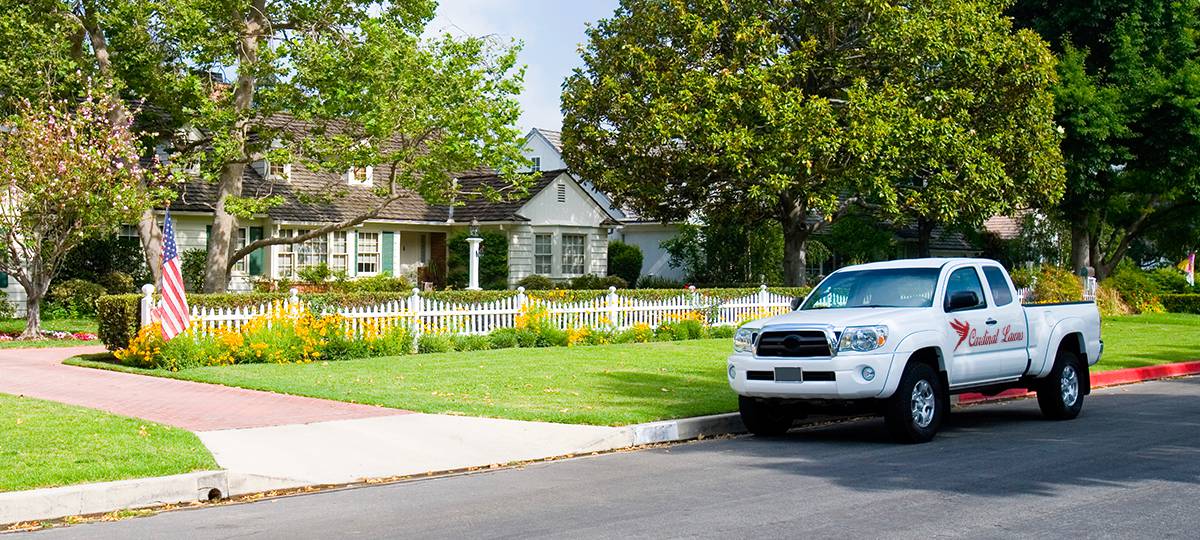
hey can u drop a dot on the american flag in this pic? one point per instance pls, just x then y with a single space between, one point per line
173 309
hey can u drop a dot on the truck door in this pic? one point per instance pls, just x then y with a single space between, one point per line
965 307
1007 357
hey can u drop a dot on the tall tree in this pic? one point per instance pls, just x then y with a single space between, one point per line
334 84
1130 105
66 173
796 111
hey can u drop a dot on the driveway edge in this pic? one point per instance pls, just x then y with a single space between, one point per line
83 499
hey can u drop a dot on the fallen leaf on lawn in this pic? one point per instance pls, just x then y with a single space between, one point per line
664 389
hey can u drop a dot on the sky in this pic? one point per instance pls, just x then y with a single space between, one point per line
551 31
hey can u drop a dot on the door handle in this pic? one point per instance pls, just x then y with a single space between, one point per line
991 321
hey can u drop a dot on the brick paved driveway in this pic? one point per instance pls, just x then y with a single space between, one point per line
193 406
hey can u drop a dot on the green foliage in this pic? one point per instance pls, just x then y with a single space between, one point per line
1136 288
193 269
535 282
594 282
503 338
859 238
471 343
188 351
96 258
1050 284
434 343
493 260
655 282
1170 280
73 299
936 110
319 273
119 317
624 260
382 282
1181 303
117 282
726 251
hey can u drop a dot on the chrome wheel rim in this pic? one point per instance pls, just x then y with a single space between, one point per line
923 404
1069 386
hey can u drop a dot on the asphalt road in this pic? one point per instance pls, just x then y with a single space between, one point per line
1128 467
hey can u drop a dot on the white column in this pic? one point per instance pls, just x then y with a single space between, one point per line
473 281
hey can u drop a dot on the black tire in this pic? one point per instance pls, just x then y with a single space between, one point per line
764 417
919 424
1060 396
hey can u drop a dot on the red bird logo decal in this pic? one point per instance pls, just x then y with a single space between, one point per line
962 328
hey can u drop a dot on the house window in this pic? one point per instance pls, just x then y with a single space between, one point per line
128 231
292 258
368 252
537 164
543 254
239 242
339 252
284 256
359 176
572 253
279 171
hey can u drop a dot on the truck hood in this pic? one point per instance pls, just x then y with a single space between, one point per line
843 317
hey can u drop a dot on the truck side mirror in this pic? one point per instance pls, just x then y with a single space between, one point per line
796 303
962 300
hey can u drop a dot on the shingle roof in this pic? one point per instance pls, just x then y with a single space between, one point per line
554 137
1004 227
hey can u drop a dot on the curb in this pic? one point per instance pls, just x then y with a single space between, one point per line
82 499
1100 380
686 428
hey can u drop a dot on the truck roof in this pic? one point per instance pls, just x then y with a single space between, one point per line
931 262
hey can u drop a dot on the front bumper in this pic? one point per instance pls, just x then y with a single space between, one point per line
847 383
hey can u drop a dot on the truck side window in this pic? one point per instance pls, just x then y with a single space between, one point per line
965 279
1000 291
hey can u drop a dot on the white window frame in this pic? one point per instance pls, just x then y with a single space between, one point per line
241 236
306 254
352 180
565 258
537 163
423 256
368 259
286 173
339 251
547 257
128 231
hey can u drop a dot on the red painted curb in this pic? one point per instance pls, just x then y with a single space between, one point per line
1104 378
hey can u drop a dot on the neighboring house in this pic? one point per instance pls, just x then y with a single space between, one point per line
544 148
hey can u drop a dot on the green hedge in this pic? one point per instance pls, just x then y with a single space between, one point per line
1181 303
119 317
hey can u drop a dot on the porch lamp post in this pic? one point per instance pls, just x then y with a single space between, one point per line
474 240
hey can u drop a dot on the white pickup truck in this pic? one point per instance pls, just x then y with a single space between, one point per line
897 338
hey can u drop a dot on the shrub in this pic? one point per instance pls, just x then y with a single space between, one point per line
536 282
392 341
1109 301
526 337
434 343
74 298
655 282
493 260
1181 303
190 350
117 282
319 273
721 332
593 282
193 269
552 337
1136 289
600 336
624 260
118 317
640 333
144 349
1170 280
471 343
383 282
1050 284
503 338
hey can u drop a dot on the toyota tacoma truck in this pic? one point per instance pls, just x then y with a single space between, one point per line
897 338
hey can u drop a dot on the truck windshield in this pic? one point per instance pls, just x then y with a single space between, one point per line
893 287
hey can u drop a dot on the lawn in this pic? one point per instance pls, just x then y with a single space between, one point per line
46 444
603 385
15 326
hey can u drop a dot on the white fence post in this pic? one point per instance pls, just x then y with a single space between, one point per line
414 306
612 301
764 300
147 304
520 299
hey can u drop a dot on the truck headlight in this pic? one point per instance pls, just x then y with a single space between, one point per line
863 338
743 339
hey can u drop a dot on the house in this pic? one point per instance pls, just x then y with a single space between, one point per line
544 148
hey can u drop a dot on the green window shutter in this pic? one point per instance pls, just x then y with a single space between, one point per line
389 245
3 279
256 258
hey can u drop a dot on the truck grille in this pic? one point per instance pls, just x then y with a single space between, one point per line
793 344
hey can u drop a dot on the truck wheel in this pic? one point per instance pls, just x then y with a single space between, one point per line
763 417
1061 395
914 413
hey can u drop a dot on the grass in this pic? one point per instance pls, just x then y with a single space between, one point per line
60 325
602 385
46 444
1147 340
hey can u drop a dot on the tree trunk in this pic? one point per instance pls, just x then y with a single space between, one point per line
924 237
151 239
33 316
795 252
216 266
1081 246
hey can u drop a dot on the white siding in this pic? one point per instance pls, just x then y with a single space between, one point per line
520 254
536 146
648 237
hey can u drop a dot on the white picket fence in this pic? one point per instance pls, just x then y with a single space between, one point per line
425 315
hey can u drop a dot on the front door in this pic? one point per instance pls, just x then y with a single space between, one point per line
965 326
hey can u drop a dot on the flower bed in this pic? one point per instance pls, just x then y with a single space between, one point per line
298 335
52 334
